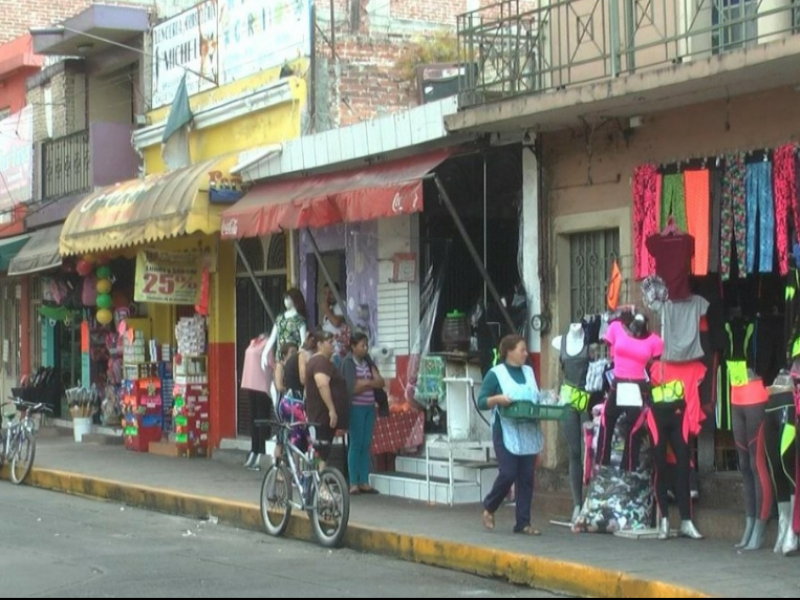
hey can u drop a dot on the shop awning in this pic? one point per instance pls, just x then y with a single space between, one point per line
39 253
380 190
9 248
140 211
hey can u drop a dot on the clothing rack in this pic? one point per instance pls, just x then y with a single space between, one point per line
715 157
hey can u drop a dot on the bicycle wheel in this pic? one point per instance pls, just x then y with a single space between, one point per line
22 456
331 508
276 498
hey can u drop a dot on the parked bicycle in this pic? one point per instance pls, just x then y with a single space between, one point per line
323 494
18 437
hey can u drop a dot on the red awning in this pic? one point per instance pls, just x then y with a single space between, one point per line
381 190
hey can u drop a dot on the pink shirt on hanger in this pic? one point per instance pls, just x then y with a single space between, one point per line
631 354
253 376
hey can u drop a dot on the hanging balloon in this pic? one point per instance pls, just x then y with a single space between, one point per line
103 272
104 301
104 286
90 258
84 267
104 316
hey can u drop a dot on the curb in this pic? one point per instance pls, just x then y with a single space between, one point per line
522 569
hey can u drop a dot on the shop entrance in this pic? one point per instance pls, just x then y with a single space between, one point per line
267 258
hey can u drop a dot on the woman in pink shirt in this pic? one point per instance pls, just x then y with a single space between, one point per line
633 347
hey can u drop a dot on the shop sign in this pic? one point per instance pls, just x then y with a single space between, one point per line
188 43
16 159
167 277
261 34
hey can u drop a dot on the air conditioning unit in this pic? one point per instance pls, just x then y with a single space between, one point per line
442 80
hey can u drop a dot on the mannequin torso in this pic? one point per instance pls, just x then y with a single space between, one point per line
574 338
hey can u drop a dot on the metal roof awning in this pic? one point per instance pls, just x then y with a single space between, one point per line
39 253
380 190
9 248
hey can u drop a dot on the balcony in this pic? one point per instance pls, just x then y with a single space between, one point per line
87 159
65 165
521 49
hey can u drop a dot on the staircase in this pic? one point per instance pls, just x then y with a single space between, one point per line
450 474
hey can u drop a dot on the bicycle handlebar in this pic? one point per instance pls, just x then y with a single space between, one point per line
32 406
273 422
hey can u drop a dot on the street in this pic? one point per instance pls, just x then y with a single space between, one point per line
59 546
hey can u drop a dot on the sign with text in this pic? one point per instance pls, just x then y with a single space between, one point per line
16 159
261 34
167 277
188 42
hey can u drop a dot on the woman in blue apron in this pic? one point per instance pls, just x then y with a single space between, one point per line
516 443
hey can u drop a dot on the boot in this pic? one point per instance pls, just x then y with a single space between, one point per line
663 528
790 539
689 530
576 512
784 522
249 462
757 539
749 522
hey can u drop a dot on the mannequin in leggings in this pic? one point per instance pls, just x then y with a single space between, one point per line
632 348
574 358
779 442
665 423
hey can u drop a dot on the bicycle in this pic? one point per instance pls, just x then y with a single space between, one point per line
18 438
324 495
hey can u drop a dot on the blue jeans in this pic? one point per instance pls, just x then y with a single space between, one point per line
513 470
761 214
362 424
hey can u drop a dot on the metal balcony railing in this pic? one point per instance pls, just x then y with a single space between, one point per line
522 47
65 165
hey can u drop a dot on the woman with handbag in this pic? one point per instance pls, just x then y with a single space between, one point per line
363 381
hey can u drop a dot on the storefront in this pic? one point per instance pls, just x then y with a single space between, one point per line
147 257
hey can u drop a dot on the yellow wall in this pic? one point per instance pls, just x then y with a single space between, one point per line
270 126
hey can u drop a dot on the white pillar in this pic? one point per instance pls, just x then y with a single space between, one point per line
530 242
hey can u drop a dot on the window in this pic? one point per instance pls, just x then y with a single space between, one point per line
735 23
591 256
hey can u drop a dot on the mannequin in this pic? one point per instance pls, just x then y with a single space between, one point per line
574 358
256 381
289 327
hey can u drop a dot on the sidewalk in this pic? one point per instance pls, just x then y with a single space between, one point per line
588 564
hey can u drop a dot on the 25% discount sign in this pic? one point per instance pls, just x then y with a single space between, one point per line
167 277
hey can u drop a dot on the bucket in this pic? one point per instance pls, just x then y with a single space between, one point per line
81 426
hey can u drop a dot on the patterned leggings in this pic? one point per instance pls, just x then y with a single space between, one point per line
646 201
785 185
761 216
673 201
734 215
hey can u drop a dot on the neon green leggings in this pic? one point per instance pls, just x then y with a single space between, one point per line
673 201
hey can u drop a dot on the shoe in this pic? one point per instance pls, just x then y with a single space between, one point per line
784 522
663 529
757 539
368 489
528 530
249 462
488 520
355 491
689 530
790 542
749 522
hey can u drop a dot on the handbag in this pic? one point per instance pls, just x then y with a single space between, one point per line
381 397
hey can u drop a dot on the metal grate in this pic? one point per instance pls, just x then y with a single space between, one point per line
37 328
276 255
9 300
253 249
591 256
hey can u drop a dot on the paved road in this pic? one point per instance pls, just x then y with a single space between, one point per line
58 546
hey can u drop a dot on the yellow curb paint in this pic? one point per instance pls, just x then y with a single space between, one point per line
522 569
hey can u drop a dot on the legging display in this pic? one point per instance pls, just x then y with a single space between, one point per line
698 209
760 217
715 186
785 201
673 201
780 413
748 433
573 432
646 208
665 422
633 438
733 224
260 408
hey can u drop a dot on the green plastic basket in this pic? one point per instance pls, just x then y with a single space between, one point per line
528 411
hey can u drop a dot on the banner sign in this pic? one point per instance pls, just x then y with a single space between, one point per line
185 43
16 158
167 277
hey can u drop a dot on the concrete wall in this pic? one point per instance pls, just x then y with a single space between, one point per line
587 175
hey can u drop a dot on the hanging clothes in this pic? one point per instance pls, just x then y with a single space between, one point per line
698 212
673 201
785 188
734 216
760 217
646 208
715 189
